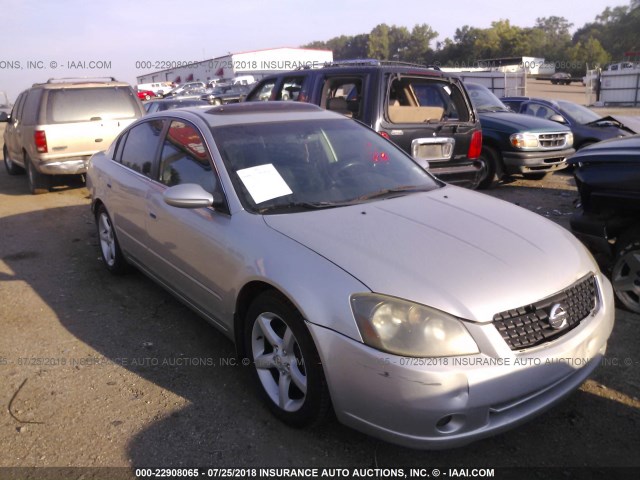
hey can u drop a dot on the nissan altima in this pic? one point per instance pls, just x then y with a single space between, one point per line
354 281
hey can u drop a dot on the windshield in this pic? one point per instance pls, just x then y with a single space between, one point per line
484 100
578 113
282 167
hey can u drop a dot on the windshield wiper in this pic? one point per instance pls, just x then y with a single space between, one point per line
301 206
393 191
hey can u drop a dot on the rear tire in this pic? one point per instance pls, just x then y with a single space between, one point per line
12 168
492 170
39 183
109 246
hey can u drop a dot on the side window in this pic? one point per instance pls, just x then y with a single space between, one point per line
16 113
117 156
291 88
184 158
140 147
31 109
343 95
263 92
542 111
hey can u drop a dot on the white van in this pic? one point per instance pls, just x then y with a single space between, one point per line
243 80
159 88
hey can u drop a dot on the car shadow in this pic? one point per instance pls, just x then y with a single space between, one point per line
132 322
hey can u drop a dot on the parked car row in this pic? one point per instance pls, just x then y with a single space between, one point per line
327 251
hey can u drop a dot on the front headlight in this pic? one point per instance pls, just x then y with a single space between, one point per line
569 140
524 140
405 328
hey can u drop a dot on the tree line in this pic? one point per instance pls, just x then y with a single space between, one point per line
613 33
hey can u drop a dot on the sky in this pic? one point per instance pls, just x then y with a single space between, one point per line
44 39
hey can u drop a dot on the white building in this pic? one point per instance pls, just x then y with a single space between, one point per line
257 63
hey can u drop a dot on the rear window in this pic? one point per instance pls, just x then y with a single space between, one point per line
420 100
87 104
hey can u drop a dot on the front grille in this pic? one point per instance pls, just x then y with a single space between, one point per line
552 140
530 325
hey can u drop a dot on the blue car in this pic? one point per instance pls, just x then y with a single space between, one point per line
587 126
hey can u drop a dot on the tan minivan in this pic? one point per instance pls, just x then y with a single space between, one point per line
56 126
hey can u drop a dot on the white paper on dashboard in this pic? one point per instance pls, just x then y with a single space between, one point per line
264 182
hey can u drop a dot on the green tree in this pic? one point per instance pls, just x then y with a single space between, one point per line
379 42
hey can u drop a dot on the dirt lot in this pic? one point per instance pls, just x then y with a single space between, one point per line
99 371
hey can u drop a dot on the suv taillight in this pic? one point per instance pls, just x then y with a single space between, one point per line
41 141
475 147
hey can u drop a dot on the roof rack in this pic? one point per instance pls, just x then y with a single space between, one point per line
81 79
377 63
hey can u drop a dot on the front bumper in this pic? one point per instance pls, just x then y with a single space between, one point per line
452 401
71 166
532 162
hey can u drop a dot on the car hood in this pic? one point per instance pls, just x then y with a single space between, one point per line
453 249
517 122
616 150
625 122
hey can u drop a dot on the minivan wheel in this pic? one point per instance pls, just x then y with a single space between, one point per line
284 361
491 172
109 246
625 274
38 182
12 168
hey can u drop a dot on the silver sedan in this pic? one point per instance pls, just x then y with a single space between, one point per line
421 313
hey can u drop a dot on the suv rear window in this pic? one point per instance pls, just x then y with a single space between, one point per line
85 104
419 100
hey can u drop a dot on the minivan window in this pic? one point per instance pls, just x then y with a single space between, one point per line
67 105
141 146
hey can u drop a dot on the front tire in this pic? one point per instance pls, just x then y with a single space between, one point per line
625 274
39 183
284 361
12 168
109 246
492 170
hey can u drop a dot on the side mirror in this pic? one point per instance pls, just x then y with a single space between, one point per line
4 117
557 118
188 195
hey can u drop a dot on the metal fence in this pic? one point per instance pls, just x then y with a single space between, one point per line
502 84
613 88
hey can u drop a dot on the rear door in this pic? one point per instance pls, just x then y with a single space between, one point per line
132 176
428 117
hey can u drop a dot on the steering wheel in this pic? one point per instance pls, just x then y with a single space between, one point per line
348 170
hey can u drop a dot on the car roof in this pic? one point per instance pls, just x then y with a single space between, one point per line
253 112
60 83
354 68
